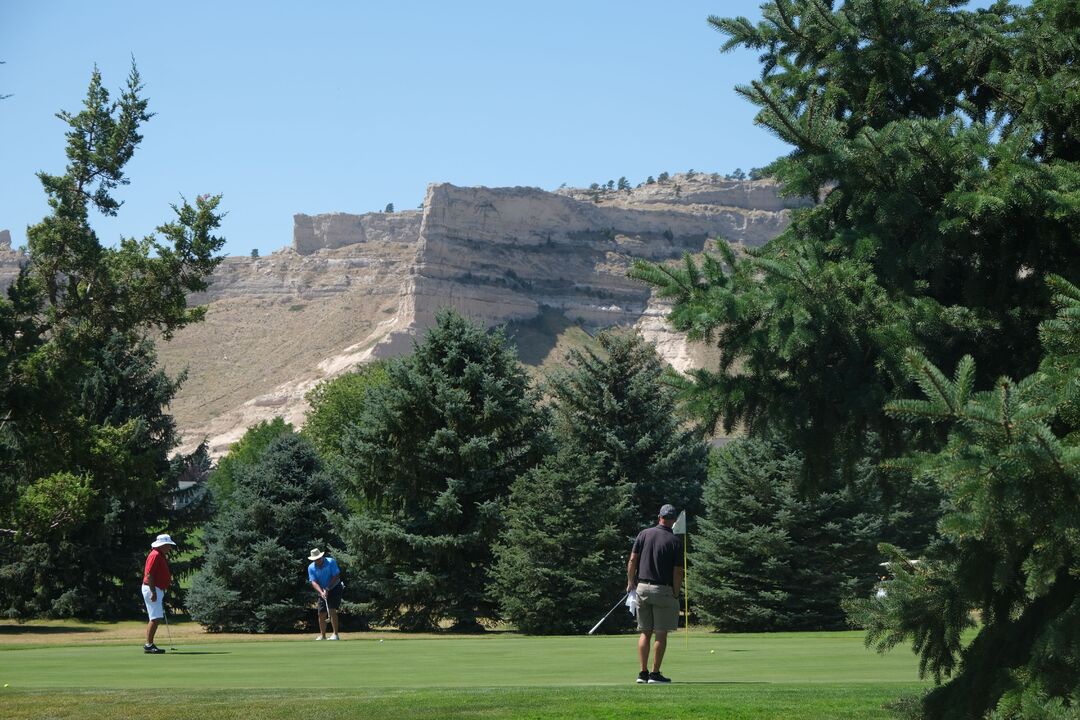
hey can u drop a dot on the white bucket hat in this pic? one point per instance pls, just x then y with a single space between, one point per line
162 540
316 553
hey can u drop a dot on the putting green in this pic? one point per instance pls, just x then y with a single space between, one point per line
489 661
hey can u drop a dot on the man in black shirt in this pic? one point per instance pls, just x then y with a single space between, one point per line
655 573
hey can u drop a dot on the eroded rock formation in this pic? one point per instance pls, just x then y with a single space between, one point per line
356 287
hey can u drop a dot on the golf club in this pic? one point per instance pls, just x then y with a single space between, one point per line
168 630
609 612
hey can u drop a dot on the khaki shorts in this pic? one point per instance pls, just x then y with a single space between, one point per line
658 609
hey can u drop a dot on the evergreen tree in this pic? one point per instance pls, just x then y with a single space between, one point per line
255 574
85 479
248 450
562 556
619 409
432 457
943 155
189 501
76 532
1009 546
766 557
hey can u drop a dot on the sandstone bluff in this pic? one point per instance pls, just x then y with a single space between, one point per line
357 287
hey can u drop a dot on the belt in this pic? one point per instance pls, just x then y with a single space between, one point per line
652 582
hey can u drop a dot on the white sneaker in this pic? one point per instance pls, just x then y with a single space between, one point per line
320 637
334 637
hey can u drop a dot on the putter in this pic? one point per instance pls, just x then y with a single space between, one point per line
597 625
167 628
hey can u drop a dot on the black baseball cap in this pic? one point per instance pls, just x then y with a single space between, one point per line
668 512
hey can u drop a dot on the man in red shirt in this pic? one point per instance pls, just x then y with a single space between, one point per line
156 580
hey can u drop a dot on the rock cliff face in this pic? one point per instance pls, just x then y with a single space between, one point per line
316 232
500 254
357 287
10 261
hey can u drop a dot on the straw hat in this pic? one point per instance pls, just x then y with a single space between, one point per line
162 540
315 554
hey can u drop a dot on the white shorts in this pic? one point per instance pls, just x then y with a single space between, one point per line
154 608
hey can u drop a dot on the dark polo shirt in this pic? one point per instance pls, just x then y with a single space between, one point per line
658 550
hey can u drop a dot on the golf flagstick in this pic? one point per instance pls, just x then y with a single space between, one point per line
609 613
679 528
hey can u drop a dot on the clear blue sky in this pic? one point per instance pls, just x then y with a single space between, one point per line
335 106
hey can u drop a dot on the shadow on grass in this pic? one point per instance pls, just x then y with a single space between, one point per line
199 652
46 629
720 682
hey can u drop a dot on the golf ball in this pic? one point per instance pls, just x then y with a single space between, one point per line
380 640
712 652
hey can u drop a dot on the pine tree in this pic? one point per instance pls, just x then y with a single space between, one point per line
255 574
766 557
85 477
942 154
431 458
618 408
1009 547
562 557
248 450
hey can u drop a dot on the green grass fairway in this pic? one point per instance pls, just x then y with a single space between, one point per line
805 675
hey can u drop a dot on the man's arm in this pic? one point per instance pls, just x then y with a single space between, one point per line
148 580
631 571
676 584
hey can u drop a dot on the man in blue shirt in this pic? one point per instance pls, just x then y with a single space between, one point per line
325 577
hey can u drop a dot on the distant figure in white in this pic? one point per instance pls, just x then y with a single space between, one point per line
156 580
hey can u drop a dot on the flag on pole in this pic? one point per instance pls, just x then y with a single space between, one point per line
679 528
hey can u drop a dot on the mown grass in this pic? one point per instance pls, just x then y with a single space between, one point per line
733 702
780 675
